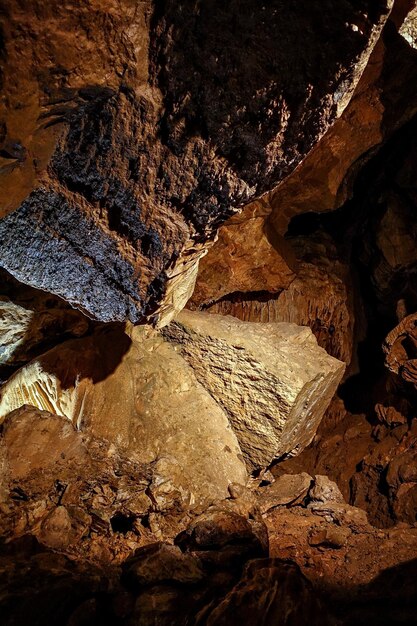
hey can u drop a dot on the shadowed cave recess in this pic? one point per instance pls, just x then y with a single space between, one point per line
208 313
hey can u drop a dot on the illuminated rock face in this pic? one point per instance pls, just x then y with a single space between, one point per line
129 133
272 380
141 395
188 393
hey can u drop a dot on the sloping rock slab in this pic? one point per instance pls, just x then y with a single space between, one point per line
272 380
138 393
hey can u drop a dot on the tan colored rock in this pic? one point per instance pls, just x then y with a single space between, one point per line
408 29
325 490
319 296
385 98
248 256
141 395
32 321
287 490
272 380
23 332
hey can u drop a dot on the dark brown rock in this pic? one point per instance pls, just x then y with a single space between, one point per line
271 592
161 563
130 133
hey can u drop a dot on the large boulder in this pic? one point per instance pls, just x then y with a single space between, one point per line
129 132
183 395
139 394
272 380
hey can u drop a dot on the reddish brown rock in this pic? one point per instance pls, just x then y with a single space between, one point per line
286 490
320 295
399 348
130 133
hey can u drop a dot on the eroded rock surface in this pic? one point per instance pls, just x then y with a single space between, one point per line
319 294
139 394
272 380
129 133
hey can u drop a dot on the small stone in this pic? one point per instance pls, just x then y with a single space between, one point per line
325 490
332 537
56 529
287 490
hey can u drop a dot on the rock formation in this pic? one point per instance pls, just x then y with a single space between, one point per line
182 398
271 379
150 404
130 133
208 326
318 293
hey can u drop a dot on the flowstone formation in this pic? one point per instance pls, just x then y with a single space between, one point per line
129 133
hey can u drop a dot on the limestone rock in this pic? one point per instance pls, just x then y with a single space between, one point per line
287 490
399 348
62 486
271 379
325 490
319 296
333 537
138 393
24 332
385 98
224 540
129 133
32 321
246 257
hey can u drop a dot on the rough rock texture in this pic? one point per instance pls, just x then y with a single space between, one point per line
74 493
320 294
130 132
32 321
217 572
366 575
288 489
139 394
385 98
247 257
400 346
271 592
272 380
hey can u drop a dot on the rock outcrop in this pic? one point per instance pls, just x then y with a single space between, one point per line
31 322
129 133
319 294
247 257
